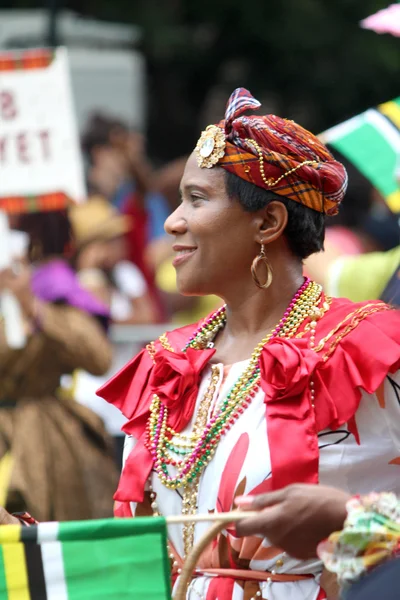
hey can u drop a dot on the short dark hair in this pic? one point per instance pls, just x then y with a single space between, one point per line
50 234
98 131
305 229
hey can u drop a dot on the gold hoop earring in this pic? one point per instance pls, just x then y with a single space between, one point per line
262 258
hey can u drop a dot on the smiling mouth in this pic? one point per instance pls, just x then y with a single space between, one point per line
183 255
185 251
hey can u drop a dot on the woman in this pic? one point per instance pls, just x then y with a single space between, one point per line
282 385
56 459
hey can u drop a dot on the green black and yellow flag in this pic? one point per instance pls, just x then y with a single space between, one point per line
104 559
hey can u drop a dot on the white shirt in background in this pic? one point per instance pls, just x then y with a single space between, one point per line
130 284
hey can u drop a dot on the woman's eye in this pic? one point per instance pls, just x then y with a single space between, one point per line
192 198
195 198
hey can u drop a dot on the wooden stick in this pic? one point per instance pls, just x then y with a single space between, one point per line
193 558
229 517
219 522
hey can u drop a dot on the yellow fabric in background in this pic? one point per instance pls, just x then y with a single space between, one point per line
362 277
6 464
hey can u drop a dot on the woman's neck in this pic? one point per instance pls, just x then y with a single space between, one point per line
256 310
250 316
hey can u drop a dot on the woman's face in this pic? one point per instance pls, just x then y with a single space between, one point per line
115 252
214 238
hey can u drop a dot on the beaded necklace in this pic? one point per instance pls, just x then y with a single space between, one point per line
198 449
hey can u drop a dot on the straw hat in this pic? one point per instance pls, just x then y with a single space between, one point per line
97 219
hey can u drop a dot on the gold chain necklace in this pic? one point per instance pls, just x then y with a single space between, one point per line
190 492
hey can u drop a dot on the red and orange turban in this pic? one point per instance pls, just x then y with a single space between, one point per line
275 154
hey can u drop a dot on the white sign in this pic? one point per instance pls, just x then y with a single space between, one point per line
9 305
39 141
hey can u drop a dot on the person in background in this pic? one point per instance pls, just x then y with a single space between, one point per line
391 293
56 459
102 268
120 171
101 262
365 277
359 277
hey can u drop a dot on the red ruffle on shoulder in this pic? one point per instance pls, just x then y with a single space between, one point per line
128 390
131 390
362 358
361 361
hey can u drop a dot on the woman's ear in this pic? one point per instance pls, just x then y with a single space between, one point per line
271 222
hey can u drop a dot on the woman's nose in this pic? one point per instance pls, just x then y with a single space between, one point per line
175 223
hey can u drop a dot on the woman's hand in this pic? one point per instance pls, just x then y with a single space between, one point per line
7 519
295 518
92 256
132 148
17 281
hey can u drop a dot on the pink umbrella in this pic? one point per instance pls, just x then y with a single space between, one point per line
384 21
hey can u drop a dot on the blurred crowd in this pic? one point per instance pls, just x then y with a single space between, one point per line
111 258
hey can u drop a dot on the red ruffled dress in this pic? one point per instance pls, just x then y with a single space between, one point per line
350 438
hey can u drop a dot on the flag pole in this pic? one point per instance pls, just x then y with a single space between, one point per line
228 517
193 557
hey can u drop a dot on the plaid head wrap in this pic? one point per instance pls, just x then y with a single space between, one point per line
275 154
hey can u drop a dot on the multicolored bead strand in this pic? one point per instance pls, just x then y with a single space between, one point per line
198 450
201 338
